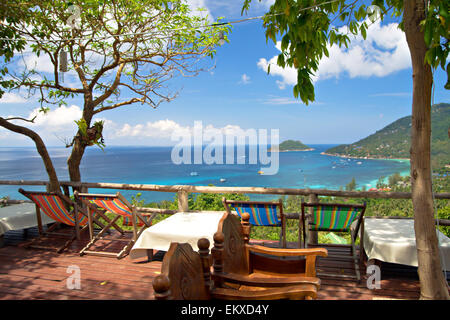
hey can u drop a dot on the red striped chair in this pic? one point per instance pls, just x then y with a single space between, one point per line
335 217
56 206
121 208
269 214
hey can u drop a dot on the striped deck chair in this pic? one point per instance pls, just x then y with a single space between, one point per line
121 208
338 218
269 214
55 205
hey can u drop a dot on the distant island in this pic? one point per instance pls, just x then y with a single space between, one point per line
293 145
394 140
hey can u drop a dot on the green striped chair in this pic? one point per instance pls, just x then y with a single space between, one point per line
334 217
121 208
269 214
56 206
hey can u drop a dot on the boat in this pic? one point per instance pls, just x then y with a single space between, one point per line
260 172
193 173
223 180
359 162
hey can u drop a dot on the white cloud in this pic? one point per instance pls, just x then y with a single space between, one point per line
12 98
162 129
245 79
56 118
281 101
32 62
56 127
265 3
162 132
196 4
384 52
391 94
289 75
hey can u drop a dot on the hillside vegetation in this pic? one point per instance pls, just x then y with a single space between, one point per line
393 141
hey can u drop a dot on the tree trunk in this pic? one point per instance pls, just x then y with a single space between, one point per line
74 160
40 146
78 148
432 282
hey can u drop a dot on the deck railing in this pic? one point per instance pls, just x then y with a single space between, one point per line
184 190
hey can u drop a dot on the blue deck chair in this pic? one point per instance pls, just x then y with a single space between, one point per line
269 214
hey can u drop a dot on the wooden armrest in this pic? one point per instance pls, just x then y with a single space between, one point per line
267 282
305 291
288 252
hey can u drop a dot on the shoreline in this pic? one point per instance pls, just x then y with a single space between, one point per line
310 149
364 158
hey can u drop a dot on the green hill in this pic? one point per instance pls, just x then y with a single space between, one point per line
292 145
393 141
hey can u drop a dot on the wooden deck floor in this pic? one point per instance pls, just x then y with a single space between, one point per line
41 274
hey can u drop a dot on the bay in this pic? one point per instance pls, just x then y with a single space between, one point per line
154 165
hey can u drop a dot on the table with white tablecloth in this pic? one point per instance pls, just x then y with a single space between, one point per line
182 227
393 241
20 216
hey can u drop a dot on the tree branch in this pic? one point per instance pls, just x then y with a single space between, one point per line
120 104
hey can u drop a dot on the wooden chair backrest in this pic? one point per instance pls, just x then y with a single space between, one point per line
234 253
182 266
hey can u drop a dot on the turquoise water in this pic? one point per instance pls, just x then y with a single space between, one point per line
153 165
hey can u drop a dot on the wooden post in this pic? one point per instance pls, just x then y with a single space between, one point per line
39 220
65 188
246 227
183 204
161 286
217 254
203 250
312 235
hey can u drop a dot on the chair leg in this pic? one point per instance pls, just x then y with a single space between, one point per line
355 260
99 235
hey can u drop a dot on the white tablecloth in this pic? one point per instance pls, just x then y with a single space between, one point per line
182 227
393 240
20 216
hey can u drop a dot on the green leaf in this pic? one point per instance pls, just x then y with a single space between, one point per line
428 33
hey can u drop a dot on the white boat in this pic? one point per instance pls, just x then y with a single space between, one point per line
359 162
223 180
193 173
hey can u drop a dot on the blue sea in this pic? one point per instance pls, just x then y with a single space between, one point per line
154 165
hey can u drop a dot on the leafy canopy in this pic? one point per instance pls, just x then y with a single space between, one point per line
307 29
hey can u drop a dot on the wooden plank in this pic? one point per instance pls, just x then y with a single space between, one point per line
243 190
38 274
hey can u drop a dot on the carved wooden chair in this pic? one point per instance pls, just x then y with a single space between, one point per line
245 267
57 206
185 275
240 271
335 217
269 214
121 208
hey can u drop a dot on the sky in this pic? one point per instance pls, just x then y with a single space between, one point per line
358 91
